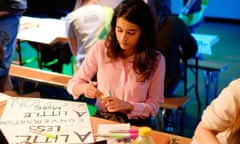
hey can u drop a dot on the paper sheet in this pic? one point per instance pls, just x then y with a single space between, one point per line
38 120
4 97
105 129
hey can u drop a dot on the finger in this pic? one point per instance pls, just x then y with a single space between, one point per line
94 83
112 109
94 92
103 102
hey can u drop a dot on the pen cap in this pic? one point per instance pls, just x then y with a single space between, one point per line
144 136
144 131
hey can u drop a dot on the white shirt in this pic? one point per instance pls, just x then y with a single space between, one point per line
85 24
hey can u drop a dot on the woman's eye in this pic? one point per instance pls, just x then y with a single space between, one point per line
131 33
119 30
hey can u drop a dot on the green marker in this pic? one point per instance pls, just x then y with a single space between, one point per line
48 135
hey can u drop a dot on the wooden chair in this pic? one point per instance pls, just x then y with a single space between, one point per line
177 103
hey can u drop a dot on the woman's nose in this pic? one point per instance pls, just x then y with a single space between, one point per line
124 37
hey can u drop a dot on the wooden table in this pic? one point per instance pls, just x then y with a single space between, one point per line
159 137
39 76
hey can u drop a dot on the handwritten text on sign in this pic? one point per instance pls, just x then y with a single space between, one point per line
40 120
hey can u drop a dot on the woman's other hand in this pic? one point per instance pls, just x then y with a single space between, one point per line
114 104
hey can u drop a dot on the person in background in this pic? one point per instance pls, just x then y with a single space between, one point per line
192 13
10 14
1 53
87 23
174 40
130 69
220 123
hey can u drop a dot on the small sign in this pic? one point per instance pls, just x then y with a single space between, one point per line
39 120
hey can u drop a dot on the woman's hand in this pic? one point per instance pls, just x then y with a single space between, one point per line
114 104
91 90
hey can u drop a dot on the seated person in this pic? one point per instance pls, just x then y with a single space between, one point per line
130 69
174 41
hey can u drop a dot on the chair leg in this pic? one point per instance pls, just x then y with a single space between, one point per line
19 54
168 120
182 120
20 87
177 118
158 127
162 120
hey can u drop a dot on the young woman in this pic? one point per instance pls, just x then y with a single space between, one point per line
130 70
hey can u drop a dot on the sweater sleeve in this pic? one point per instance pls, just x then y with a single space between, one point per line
219 114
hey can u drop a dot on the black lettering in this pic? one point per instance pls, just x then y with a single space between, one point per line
82 137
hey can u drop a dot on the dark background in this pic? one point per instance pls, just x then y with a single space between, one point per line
49 8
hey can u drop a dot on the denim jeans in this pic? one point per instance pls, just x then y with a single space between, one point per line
8 34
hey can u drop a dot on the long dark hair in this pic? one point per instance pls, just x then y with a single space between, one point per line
137 12
161 9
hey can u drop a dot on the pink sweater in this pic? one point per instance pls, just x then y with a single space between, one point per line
145 97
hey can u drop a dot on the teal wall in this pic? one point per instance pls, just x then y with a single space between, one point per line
227 9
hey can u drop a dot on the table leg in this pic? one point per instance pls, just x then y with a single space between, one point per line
18 49
163 116
216 80
207 81
195 86
211 83
38 46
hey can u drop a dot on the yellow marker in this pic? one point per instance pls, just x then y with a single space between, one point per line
48 135
109 89
103 97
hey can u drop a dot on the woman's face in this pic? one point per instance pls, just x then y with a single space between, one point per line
128 35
